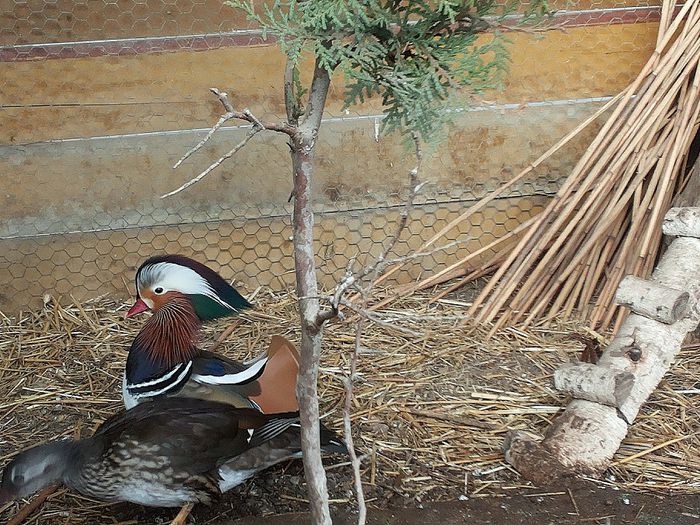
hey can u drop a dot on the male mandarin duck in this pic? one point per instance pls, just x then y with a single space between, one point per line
167 453
164 358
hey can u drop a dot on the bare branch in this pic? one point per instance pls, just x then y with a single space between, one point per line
231 113
255 130
248 116
252 118
380 264
223 98
354 280
347 427
224 118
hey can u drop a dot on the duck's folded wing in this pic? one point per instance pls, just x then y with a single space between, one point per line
192 433
213 369
267 383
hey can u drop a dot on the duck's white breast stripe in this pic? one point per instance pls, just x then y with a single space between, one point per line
138 391
161 378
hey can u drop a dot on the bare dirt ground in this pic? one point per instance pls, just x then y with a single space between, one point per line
575 503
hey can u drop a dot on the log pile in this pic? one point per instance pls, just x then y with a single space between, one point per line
607 396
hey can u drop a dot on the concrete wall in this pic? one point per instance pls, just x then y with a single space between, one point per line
91 130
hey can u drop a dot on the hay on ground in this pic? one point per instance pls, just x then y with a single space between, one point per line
432 405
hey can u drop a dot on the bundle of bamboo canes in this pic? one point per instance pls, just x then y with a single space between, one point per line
604 222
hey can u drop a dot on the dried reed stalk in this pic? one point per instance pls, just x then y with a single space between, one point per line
604 222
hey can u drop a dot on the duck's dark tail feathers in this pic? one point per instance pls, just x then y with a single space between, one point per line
289 422
331 443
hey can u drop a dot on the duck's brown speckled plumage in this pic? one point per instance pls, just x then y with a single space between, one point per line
165 453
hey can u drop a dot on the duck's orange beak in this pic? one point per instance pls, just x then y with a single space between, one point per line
139 306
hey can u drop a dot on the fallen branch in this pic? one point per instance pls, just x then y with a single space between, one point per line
462 421
583 440
652 300
36 502
594 383
683 222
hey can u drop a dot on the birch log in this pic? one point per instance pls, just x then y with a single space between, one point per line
652 299
594 383
585 437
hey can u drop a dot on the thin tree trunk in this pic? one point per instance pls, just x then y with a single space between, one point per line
303 147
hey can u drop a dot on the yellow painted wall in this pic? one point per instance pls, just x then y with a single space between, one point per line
66 98
79 214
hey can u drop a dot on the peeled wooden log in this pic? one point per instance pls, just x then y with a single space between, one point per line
585 437
682 222
653 300
594 383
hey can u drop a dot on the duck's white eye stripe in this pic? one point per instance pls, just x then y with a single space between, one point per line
171 276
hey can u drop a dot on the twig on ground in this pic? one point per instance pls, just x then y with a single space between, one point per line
182 516
374 317
33 505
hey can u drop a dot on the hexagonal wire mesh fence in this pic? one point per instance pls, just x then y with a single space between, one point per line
100 98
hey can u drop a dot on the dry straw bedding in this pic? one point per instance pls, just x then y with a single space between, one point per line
432 404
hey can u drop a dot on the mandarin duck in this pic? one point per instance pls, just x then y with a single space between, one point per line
167 453
164 358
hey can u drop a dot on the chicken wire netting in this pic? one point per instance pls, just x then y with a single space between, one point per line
99 99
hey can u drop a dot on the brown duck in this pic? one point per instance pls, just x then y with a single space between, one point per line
166 453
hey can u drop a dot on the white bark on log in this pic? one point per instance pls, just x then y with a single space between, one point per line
653 300
585 437
682 222
594 383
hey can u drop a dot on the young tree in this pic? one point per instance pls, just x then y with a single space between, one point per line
420 58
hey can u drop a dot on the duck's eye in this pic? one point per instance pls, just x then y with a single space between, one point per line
159 290
18 478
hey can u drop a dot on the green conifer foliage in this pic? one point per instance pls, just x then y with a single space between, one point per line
419 58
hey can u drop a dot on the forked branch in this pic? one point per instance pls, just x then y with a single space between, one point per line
231 113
